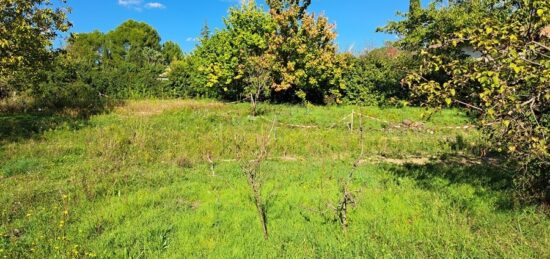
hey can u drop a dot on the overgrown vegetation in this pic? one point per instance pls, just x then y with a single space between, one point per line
83 165
294 49
77 191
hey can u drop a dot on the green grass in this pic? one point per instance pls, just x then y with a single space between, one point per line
135 183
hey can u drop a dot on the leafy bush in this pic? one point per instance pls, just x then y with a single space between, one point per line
374 78
63 88
299 46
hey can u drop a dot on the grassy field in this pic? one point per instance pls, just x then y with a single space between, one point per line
136 183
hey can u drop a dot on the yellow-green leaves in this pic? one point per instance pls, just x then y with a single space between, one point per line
305 58
515 67
27 30
508 85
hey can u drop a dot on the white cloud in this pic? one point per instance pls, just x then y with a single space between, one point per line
130 3
138 5
154 5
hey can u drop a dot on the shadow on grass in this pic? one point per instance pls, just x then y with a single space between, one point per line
16 127
464 179
20 125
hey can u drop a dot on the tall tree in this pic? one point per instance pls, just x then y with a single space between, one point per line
222 57
125 62
497 66
421 26
171 51
306 66
128 40
27 30
205 32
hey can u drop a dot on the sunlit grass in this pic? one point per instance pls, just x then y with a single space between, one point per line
115 186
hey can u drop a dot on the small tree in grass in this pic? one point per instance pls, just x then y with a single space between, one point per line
252 171
258 79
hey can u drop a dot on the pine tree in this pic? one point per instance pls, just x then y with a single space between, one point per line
205 32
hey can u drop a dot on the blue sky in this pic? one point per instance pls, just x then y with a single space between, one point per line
182 20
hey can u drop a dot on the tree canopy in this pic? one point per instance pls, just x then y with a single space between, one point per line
26 35
498 66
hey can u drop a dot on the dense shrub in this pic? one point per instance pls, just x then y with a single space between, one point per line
124 63
64 88
297 46
374 78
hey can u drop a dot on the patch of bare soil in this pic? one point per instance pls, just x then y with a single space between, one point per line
397 161
457 159
152 108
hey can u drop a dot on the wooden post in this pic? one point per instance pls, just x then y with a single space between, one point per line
352 117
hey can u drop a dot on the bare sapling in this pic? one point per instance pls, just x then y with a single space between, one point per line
211 162
252 172
347 198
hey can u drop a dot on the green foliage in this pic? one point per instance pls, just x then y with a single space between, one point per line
306 66
374 78
64 88
415 6
26 33
186 81
221 58
171 52
124 63
298 47
129 40
498 66
420 27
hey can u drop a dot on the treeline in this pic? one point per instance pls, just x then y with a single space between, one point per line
284 55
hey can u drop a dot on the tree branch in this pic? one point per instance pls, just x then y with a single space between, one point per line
469 105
